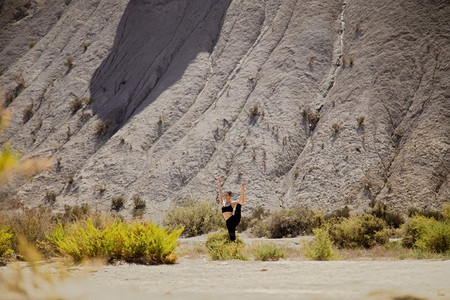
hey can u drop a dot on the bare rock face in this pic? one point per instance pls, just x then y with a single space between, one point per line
317 103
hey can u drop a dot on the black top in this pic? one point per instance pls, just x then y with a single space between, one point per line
227 208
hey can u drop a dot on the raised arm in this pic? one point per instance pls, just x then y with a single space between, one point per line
220 192
242 199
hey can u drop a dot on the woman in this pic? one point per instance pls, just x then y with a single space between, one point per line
227 210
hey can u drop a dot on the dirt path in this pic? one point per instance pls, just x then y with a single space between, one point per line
203 279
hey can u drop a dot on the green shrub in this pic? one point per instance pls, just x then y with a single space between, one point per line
359 231
79 240
136 242
427 234
339 213
428 213
446 211
258 214
221 248
379 209
5 242
197 217
321 248
435 238
268 252
288 223
141 242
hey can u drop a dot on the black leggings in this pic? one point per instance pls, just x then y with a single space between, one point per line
233 222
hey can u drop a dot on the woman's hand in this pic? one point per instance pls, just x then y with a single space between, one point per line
242 199
220 191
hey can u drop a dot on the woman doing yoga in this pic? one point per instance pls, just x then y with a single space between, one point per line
227 210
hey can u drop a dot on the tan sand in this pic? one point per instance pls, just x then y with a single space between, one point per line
203 279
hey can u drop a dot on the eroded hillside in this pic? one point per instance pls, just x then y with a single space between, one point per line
319 103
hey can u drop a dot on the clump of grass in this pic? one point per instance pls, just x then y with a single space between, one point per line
117 203
76 105
87 100
321 248
32 44
379 209
139 203
139 206
338 213
360 120
75 213
85 45
69 62
221 248
5 243
197 217
102 127
335 128
268 252
359 231
70 178
9 98
50 196
288 223
20 81
428 213
27 113
255 112
135 242
351 61
311 118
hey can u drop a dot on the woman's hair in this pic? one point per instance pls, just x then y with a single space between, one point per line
229 193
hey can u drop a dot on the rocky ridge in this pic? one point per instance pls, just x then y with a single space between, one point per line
318 103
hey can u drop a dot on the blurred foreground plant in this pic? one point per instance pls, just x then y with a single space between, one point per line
10 160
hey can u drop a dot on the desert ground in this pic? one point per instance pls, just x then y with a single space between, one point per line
197 277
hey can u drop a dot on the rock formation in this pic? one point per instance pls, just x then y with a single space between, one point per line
317 103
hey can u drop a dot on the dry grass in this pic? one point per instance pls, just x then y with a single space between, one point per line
291 252
193 251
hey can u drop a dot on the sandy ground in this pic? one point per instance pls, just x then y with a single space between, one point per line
203 279
196 277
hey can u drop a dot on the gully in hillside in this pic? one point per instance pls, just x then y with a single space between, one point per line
232 220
